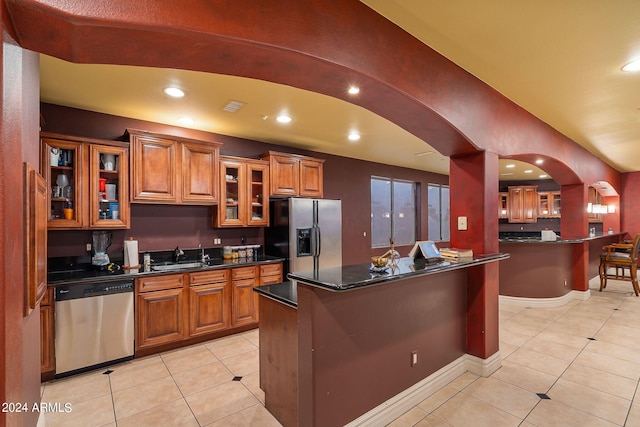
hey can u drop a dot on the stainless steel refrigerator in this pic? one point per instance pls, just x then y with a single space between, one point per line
306 232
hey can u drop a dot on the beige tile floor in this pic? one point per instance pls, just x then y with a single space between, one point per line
548 351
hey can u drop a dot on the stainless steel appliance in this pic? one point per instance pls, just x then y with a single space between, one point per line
306 232
94 325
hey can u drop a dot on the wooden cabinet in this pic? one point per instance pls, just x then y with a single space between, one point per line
89 185
35 238
47 341
244 193
209 300
244 302
523 204
161 312
503 205
270 274
173 308
108 187
293 175
549 204
167 169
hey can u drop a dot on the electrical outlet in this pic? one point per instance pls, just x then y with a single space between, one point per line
414 357
217 241
88 247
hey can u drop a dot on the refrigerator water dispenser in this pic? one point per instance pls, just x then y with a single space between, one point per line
304 242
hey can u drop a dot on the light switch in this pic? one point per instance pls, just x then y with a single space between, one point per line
462 223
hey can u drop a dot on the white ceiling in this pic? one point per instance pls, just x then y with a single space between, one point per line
559 60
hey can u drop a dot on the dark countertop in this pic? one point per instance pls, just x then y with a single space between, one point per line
538 240
83 273
350 277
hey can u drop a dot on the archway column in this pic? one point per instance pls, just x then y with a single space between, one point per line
473 180
574 224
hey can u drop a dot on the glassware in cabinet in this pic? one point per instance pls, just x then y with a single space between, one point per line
109 187
232 204
62 165
258 191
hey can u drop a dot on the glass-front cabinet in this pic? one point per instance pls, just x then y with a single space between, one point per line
108 187
63 169
244 193
88 182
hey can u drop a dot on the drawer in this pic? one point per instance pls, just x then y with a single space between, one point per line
270 270
244 273
211 276
155 283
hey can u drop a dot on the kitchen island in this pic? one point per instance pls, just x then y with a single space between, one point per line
346 344
544 273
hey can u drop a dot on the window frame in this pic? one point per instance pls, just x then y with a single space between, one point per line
392 219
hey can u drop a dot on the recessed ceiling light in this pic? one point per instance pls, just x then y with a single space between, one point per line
510 165
283 118
507 173
529 171
186 120
424 153
354 90
544 175
174 92
539 162
632 66
354 136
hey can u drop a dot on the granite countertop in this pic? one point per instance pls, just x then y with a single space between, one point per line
559 240
350 277
84 272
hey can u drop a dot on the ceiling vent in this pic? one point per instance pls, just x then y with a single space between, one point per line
233 106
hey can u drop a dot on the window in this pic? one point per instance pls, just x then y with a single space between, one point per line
393 212
439 212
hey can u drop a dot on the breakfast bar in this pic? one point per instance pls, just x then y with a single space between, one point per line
350 343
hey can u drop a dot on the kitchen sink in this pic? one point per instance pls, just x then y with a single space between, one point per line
180 266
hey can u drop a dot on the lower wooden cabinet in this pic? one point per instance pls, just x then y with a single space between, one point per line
244 302
209 301
175 307
47 343
161 315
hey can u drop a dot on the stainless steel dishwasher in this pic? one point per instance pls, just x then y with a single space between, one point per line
94 325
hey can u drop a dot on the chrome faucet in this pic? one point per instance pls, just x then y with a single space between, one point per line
203 258
177 254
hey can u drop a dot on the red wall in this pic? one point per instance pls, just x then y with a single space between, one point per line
630 203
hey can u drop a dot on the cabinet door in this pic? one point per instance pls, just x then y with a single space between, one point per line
108 187
503 205
154 169
530 204
285 175
555 204
35 238
544 208
63 169
258 194
523 204
209 306
199 173
160 318
244 302
47 343
311 179
232 207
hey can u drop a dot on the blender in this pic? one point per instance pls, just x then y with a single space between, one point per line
101 242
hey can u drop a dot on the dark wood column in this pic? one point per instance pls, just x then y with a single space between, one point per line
474 195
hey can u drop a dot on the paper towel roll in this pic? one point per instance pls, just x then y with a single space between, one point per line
131 253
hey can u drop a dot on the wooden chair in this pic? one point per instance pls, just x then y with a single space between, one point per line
623 257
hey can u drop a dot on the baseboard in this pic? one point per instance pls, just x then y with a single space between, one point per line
545 302
393 408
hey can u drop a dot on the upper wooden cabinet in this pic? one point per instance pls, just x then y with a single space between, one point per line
549 204
35 238
87 181
244 193
523 204
503 205
294 175
167 169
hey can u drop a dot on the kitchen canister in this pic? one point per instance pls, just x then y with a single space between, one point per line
111 191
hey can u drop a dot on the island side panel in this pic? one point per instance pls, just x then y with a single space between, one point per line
279 359
536 270
354 348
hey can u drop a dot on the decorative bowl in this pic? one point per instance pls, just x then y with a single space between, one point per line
379 261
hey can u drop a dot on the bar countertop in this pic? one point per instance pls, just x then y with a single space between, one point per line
350 277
